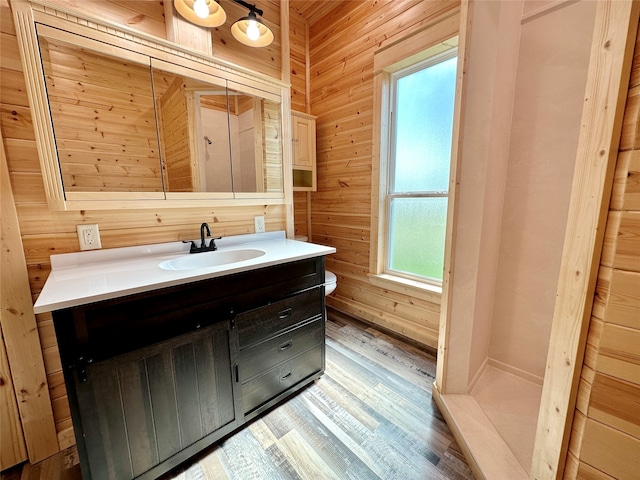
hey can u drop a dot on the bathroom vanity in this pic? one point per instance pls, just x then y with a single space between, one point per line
159 369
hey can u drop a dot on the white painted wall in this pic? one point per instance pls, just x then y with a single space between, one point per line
550 84
520 121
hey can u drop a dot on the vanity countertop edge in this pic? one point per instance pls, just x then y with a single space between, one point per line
86 277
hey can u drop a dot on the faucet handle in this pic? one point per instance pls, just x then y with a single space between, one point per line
212 243
193 245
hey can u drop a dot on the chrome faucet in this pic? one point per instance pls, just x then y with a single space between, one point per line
203 244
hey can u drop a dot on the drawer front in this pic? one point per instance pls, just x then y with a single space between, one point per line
262 323
275 381
263 356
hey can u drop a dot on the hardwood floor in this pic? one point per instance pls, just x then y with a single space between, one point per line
370 416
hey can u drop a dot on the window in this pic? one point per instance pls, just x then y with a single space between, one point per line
415 92
421 122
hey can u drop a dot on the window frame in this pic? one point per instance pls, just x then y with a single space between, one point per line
431 44
394 77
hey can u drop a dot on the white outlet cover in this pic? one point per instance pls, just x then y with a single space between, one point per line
89 237
258 223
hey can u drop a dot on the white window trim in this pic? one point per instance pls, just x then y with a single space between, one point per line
435 38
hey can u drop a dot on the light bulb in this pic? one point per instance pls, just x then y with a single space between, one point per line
253 32
201 8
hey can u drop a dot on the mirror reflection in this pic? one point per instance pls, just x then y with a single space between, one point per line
191 162
214 154
247 143
256 143
274 177
102 110
121 125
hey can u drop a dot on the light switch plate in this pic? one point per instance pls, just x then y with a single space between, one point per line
258 222
89 237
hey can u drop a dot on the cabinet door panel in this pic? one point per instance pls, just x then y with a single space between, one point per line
103 425
136 403
139 409
303 136
186 377
163 393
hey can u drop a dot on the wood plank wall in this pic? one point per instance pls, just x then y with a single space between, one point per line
298 39
605 440
298 27
300 214
45 233
342 43
267 60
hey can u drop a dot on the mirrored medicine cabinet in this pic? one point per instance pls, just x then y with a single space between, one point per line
129 121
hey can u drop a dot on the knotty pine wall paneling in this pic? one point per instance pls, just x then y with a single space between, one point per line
267 60
298 40
300 98
605 438
342 42
45 233
300 206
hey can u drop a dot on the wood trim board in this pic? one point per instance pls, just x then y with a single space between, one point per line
20 332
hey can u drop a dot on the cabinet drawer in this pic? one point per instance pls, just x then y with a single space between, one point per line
262 323
263 356
281 377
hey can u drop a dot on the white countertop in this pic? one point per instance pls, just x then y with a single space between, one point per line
86 277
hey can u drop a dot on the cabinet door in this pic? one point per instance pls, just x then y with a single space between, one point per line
304 139
139 409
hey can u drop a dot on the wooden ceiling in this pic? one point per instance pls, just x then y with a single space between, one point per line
313 10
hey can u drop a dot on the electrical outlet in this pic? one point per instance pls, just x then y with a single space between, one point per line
258 222
89 237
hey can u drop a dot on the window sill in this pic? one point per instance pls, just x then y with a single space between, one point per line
414 288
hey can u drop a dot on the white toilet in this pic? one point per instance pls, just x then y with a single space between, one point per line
330 282
330 279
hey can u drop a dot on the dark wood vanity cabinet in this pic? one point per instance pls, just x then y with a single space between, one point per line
156 377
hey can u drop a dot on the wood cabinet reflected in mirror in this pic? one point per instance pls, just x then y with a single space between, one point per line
123 120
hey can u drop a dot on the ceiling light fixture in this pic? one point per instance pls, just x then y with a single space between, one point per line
249 30
206 13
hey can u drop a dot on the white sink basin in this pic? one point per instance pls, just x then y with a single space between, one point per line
210 259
